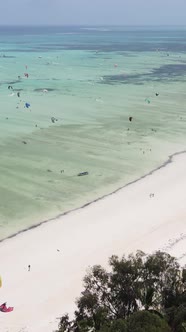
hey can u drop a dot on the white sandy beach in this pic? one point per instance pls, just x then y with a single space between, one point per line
120 223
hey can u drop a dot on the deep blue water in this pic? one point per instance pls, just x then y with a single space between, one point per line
105 39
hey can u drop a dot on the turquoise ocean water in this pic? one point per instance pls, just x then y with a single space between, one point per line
96 78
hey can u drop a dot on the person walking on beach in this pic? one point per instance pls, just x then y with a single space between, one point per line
29 268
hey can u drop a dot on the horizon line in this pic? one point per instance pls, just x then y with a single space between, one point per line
92 25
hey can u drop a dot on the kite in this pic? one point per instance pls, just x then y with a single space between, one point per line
82 174
53 119
27 105
4 308
147 100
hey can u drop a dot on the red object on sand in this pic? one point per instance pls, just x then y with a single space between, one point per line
3 308
9 309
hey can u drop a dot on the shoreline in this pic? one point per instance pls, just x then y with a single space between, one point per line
59 253
167 162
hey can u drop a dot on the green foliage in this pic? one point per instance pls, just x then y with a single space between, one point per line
118 325
184 275
161 276
144 321
132 293
177 318
65 324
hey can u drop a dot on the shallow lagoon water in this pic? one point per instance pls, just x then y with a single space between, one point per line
95 79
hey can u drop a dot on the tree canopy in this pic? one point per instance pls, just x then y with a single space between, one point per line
141 293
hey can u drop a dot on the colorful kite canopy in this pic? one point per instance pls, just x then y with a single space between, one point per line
27 105
4 308
147 100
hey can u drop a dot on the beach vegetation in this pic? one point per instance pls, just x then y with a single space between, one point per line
139 293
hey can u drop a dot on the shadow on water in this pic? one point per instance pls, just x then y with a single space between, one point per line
7 56
44 89
171 72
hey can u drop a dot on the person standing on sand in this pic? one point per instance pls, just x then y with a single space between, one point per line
29 268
